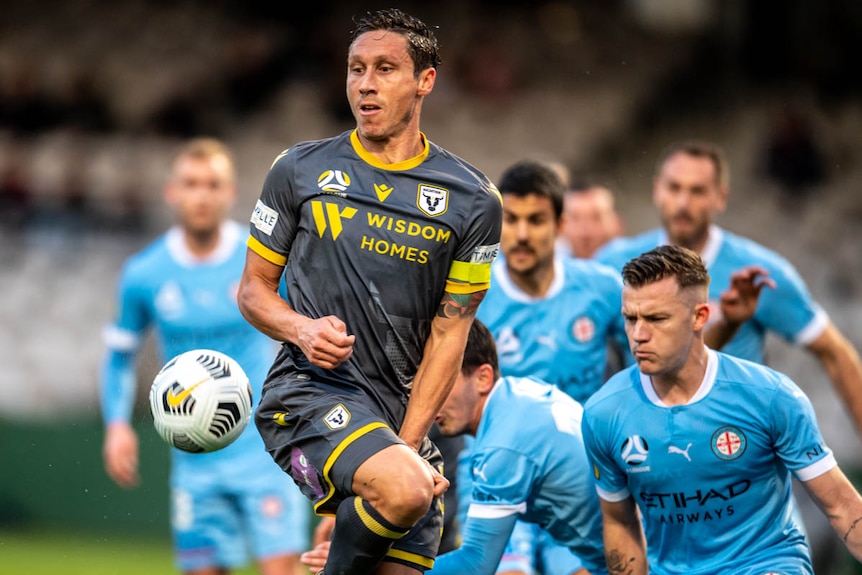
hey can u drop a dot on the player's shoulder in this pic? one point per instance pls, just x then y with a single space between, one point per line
457 168
149 259
620 388
749 251
590 271
748 373
301 150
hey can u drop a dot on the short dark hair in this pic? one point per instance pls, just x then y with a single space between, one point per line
530 177
422 44
699 149
663 262
480 349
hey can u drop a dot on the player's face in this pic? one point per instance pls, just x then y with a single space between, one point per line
688 196
528 233
661 321
384 94
458 414
202 192
589 221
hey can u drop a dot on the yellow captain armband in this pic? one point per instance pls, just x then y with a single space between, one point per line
468 277
266 253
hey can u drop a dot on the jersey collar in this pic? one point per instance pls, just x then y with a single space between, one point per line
710 250
502 277
180 252
705 386
369 158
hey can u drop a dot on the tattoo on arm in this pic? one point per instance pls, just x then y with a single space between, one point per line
852 527
460 304
618 564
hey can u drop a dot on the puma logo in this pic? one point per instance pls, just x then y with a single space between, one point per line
683 452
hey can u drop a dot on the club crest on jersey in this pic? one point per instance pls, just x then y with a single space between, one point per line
634 450
337 417
433 201
334 181
728 443
583 329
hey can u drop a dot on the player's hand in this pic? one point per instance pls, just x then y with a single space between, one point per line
441 484
739 301
315 559
325 341
120 453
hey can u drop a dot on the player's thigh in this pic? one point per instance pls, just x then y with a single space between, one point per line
320 438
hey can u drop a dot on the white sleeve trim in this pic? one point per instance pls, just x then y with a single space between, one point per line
813 330
483 511
118 339
613 496
817 468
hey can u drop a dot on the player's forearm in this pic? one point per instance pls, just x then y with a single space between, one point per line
844 367
268 312
435 377
117 387
483 543
625 547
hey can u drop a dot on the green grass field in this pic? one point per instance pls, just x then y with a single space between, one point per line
51 553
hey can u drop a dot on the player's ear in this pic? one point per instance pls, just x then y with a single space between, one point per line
701 316
426 81
484 378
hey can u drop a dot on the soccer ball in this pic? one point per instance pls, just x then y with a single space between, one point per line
200 401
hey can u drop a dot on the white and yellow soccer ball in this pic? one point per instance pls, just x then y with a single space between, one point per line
201 401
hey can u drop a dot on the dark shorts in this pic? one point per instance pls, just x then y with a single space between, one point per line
320 436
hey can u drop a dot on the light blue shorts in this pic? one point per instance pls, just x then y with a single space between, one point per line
224 518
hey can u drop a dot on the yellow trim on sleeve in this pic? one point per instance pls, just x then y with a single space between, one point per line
462 288
269 255
415 558
330 461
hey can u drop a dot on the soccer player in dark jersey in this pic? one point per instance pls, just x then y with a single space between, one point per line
386 241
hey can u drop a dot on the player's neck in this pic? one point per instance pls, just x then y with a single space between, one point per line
695 243
678 386
398 148
202 244
535 282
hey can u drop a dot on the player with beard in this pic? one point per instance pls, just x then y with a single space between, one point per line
690 189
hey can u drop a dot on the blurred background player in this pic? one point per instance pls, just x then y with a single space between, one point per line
184 287
551 316
695 448
590 218
690 189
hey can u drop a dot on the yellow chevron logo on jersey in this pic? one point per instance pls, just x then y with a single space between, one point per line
382 191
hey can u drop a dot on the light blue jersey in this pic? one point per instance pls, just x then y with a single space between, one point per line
788 310
712 478
561 337
528 462
191 304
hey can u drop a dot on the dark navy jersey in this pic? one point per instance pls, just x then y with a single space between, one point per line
376 245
